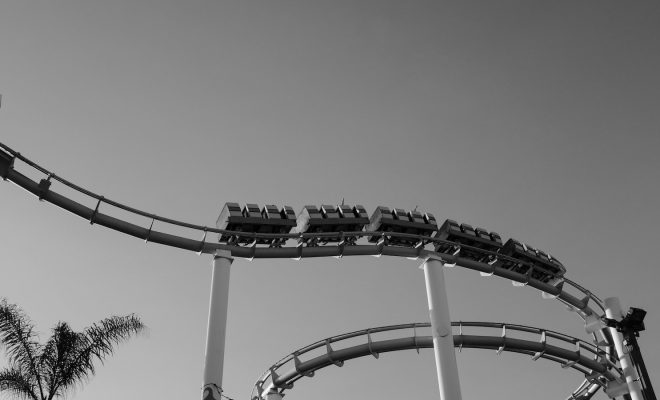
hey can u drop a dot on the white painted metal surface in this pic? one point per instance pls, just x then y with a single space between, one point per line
613 311
443 340
217 326
274 396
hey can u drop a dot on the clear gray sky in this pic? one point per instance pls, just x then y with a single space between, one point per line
535 119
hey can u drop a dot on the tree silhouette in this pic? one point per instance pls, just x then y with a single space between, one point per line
46 371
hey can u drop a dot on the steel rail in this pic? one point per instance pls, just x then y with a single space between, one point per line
202 246
460 324
598 368
299 251
94 216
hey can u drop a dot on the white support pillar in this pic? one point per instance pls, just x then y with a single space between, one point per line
443 340
613 311
274 395
217 326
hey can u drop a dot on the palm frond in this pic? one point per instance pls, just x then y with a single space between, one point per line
13 381
95 343
59 348
19 339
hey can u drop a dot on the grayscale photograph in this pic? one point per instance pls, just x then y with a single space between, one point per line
288 199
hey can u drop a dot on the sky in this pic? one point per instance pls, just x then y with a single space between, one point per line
538 120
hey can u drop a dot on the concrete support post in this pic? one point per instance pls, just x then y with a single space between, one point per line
613 311
443 340
217 326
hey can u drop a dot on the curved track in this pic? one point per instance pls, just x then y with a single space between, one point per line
568 351
99 211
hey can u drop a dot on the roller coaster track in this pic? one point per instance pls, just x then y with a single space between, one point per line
568 351
98 211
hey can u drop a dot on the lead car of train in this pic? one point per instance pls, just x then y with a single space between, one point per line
449 238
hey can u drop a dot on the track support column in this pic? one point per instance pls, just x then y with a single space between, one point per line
613 311
274 395
217 326
443 340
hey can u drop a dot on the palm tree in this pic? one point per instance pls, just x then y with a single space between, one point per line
46 371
